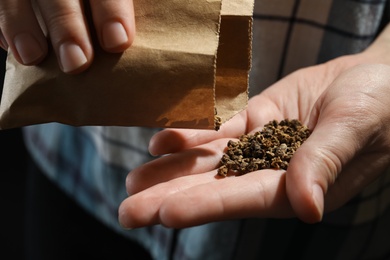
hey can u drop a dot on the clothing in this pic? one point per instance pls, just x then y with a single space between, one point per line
91 163
58 228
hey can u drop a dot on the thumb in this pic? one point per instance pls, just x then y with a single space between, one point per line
344 123
314 167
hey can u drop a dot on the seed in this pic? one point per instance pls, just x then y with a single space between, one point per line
272 147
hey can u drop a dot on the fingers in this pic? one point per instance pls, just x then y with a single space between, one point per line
198 199
260 110
67 29
142 209
114 22
68 32
20 31
257 194
183 189
174 140
200 159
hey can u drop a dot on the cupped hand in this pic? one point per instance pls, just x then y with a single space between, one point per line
24 27
346 106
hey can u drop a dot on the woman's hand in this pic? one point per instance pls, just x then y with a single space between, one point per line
23 32
346 106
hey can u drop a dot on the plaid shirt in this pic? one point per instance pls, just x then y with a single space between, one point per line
91 163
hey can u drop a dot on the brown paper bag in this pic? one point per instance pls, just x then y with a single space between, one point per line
188 68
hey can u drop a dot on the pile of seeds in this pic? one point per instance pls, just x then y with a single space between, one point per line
270 148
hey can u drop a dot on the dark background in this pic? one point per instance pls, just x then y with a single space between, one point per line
12 185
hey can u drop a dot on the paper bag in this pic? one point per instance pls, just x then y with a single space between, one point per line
188 68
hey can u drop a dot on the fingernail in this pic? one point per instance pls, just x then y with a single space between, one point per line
123 221
318 197
124 227
114 35
72 57
28 48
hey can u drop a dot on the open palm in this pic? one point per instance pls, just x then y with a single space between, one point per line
344 105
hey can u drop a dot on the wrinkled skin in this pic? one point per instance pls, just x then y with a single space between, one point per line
67 28
345 103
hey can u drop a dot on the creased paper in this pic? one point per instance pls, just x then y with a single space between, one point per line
188 65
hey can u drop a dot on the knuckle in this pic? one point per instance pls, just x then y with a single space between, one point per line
331 162
8 13
60 14
61 17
